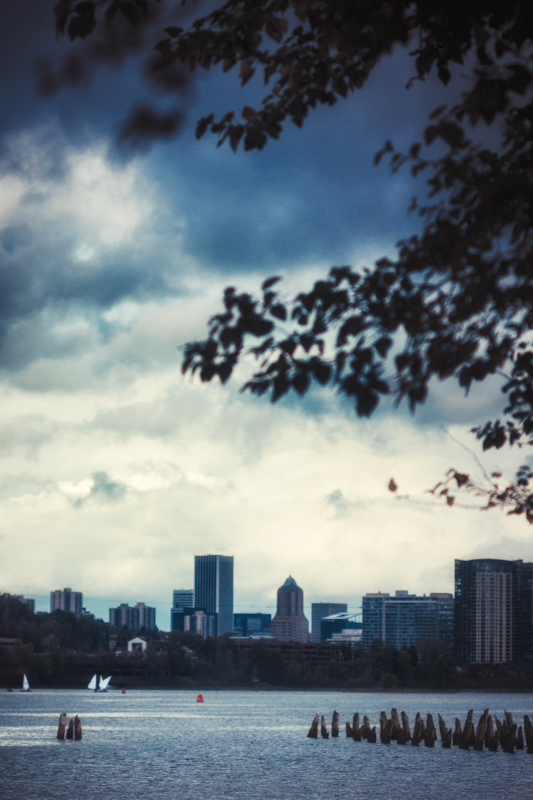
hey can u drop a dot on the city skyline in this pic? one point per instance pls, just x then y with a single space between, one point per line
488 618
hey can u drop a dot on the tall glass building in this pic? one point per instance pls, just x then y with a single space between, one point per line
493 611
213 589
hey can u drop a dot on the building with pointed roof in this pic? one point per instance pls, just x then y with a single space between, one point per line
290 624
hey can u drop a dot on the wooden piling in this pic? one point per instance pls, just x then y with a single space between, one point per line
349 731
396 727
519 739
365 729
447 738
419 731
323 730
77 728
479 738
70 729
468 738
457 733
61 726
489 733
313 730
372 736
493 746
510 740
430 734
405 726
385 728
335 725
357 731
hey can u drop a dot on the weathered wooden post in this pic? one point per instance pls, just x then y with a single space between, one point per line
468 738
447 738
405 726
481 730
489 733
493 746
431 733
70 730
323 730
396 727
356 729
385 726
335 725
510 740
419 731
313 730
372 736
457 733
365 730
61 726
349 731
77 728
519 739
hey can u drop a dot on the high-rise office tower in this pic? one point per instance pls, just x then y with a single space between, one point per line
213 589
405 619
183 598
321 610
66 600
493 611
290 624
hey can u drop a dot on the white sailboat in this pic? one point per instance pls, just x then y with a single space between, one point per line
92 683
104 683
25 684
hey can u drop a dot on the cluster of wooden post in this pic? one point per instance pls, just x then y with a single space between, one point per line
488 733
74 728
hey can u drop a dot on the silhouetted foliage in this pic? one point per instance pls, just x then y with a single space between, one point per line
456 303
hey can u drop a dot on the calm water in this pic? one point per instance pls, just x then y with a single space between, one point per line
236 745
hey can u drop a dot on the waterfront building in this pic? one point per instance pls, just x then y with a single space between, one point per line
404 619
493 611
321 610
290 624
133 617
195 620
341 627
66 600
252 624
213 589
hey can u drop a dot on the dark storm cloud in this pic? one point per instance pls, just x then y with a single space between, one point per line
103 489
314 196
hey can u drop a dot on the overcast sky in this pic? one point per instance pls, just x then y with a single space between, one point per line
114 469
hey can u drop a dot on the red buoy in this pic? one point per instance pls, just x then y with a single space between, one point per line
123 691
199 699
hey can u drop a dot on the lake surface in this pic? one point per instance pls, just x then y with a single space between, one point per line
249 745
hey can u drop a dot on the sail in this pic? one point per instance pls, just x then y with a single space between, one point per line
25 684
104 683
92 683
